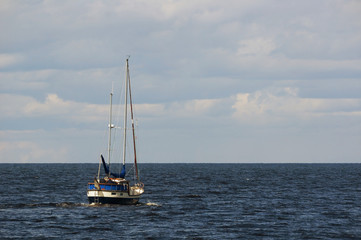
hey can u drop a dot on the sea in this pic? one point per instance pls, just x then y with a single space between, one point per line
185 201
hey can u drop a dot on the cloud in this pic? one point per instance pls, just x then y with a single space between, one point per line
206 75
204 119
256 46
194 108
29 152
53 106
7 60
49 146
265 107
26 146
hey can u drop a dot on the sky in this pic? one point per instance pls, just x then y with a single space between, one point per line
252 81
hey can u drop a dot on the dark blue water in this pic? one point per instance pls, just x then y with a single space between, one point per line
190 201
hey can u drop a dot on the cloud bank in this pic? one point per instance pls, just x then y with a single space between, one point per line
245 81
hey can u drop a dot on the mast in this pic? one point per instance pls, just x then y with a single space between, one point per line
125 110
110 128
133 130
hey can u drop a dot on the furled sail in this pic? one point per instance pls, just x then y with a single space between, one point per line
116 175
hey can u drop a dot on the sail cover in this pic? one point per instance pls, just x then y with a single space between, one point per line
116 175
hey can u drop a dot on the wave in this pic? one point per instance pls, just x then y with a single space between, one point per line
191 196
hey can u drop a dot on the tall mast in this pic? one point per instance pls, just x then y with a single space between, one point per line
133 130
125 110
110 128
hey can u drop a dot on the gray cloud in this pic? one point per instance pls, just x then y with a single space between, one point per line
206 74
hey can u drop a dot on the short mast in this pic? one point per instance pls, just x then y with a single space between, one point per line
125 110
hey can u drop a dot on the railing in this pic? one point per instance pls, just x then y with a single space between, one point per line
109 187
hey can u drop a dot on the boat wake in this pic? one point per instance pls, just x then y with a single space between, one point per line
152 204
114 205
65 205
40 205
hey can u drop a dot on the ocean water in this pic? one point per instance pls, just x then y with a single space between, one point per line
186 201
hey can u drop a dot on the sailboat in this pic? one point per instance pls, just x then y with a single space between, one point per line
115 187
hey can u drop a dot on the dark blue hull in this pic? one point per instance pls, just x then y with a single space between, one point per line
112 200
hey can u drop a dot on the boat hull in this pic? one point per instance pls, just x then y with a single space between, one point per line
107 200
112 197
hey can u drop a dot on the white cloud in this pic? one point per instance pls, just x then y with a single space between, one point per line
44 146
256 46
266 107
178 122
53 106
150 110
26 146
30 152
29 80
193 108
7 60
